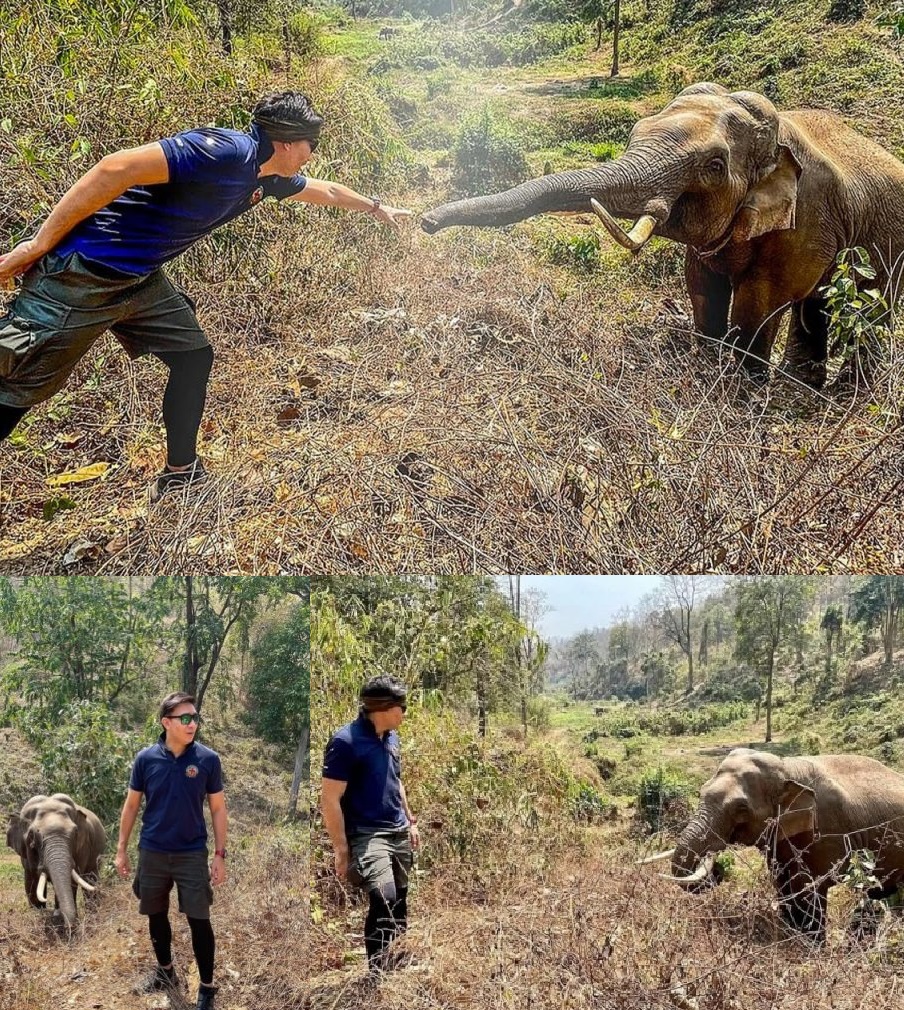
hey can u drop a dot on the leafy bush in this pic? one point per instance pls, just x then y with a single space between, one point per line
663 800
487 155
587 805
580 252
846 10
673 722
83 755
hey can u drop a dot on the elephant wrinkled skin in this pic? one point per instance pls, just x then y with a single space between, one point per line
763 200
807 814
57 838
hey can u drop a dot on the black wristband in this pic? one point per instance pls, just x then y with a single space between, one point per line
376 205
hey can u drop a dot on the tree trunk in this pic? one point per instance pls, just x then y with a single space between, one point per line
615 31
690 665
225 25
769 672
599 34
302 770
190 662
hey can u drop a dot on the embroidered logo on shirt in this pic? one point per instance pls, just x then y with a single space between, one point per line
257 195
191 771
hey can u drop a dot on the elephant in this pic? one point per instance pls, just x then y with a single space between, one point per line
56 837
808 815
763 200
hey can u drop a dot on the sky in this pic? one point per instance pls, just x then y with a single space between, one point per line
586 601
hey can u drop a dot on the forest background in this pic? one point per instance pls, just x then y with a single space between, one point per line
521 400
541 770
84 664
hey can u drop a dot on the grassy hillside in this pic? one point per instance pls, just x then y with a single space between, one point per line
525 400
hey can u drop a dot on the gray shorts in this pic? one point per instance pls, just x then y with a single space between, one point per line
380 857
66 303
158 871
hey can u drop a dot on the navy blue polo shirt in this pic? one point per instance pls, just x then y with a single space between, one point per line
213 177
174 791
372 767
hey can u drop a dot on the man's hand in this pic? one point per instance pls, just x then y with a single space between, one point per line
19 260
415 836
121 862
393 216
218 871
340 862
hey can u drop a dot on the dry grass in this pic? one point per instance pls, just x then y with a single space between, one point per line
449 404
605 935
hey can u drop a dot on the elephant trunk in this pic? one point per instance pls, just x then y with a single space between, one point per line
58 861
628 188
701 836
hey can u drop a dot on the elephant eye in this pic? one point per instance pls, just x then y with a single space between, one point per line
716 165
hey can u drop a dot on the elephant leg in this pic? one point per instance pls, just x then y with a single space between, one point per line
710 295
803 906
756 313
808 342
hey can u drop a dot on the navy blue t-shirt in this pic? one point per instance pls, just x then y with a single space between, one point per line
174 791
212 179
372 766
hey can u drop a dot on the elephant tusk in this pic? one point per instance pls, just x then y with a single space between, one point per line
656 858
636 238
82 882
698 876
42 888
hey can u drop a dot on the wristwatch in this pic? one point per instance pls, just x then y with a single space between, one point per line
376 205
220 852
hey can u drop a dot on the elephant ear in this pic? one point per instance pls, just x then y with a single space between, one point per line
770 203
796 810
14 831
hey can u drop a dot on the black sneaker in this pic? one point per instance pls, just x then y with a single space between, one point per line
159 980
206 996
171 480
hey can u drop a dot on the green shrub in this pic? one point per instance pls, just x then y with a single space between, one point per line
580 252
539 713
846 10
587 805
83 755
487 155
663 800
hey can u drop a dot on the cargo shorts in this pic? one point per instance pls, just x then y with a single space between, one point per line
158 871
378 858
66 303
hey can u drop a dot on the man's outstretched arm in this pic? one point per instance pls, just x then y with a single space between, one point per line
99 186
333 194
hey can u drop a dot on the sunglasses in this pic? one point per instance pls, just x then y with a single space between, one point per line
187 718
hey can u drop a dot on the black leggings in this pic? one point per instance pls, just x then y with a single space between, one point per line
183 403
202 942
386 919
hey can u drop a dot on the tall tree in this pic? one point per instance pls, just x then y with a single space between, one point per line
675 613
767 610
879 602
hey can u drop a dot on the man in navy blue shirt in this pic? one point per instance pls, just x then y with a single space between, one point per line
366 812
95 263
174 776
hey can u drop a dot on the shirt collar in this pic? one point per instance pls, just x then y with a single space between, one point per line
161 740
264 144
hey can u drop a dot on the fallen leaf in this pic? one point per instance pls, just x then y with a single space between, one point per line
54 505
79 550
85 473
288 414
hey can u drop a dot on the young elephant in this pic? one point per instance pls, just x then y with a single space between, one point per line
807 814
763 200
58 839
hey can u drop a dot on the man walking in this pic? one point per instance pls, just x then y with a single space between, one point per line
95 263
174 776
366 812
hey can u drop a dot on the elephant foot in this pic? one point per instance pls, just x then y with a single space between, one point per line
810 373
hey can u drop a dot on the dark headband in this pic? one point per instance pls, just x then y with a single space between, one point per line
281 129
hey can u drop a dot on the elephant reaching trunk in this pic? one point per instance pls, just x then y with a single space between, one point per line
764 202
808 815
57 839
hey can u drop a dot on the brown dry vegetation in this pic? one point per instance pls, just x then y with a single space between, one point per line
600 933
399 404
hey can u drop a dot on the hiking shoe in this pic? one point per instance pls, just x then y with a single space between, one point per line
159 980
206 997
171 480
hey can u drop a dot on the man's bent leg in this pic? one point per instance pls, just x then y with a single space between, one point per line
183 401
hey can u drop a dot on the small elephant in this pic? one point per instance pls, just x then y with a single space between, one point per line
807 814
57 838
763 200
